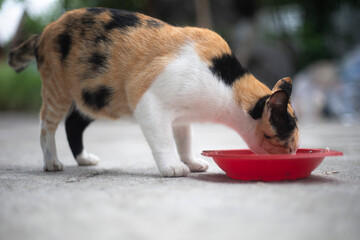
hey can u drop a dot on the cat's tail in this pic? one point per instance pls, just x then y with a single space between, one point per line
22 55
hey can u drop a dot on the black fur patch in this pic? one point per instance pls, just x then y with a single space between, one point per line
96 10
87 20
101 39
75 125
152 23
64 40
95 65
284 124
228 68
98 62
122 19
257 111
286 86
99 98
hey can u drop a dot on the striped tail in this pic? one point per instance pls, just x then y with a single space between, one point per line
22 55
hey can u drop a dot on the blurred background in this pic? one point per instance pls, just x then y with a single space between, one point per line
316 42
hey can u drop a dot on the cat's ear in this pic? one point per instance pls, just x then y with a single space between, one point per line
284 84
278 101
277 109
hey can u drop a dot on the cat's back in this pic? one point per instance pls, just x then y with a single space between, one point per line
87 33
84 34
102 50
99 50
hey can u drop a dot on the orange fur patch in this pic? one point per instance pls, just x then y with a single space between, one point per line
248 90
135 58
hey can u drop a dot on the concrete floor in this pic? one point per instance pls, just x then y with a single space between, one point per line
124 197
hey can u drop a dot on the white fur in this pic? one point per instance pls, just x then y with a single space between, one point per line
85 159
183 135
51 162
186 91
47 140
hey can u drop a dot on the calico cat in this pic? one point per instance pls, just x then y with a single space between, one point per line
98 62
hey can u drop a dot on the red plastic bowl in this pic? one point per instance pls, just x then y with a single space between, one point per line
245 165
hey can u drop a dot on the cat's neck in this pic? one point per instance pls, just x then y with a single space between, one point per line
248 90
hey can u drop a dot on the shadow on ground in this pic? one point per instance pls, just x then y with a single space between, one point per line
223 178
79 174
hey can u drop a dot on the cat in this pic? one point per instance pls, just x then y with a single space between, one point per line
98 62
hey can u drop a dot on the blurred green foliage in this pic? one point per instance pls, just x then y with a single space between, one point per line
311 41
131 5
20 91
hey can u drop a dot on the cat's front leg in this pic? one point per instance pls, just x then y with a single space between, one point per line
156 125
183 137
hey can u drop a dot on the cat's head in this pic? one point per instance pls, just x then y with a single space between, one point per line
276 129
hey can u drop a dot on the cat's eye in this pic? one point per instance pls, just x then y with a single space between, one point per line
267 136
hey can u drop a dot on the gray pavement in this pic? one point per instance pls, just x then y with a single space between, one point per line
124 197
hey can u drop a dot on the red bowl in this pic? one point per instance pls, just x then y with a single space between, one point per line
245 165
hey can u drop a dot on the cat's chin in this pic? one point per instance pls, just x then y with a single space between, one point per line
259 151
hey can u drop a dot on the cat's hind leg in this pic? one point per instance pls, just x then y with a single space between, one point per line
156 125
75 125
51 114
183 137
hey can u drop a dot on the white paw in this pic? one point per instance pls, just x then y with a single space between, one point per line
175 170
85 159
197 165
53 166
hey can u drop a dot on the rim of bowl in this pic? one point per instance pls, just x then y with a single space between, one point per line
318 152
